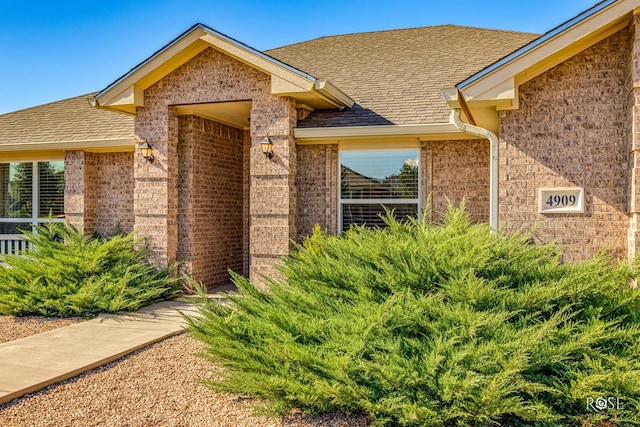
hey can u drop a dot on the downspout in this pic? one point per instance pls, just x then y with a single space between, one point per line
493 162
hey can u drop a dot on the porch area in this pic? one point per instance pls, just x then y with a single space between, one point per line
213 198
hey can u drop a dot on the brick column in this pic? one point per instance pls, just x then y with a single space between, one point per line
155 197
633 192
80 172
272 199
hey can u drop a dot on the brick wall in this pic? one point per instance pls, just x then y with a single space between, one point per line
80 190
633 137
570 130
155 194
272 185
246 213
317 184
442 165
207 78
457 170
211 199
98 195
114 190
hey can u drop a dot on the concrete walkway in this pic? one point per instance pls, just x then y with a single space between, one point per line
32 363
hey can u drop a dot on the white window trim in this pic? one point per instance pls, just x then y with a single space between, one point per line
35 213
342 201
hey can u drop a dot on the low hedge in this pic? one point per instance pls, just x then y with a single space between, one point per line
70 274
420 324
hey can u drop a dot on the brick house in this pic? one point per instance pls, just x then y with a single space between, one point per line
530 130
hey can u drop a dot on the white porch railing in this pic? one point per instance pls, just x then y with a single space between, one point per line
13 244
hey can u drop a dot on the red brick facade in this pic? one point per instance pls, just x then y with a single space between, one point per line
269 201
114 191
99 191
213 200
456 171
443 163
571 131
633 137
318 186
211 188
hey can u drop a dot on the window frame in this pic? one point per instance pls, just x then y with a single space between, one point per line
385 202
35 218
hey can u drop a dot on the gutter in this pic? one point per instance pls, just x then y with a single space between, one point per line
126 143
351 132
335 95
487 134
493 162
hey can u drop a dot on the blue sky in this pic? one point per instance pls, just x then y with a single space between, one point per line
52 50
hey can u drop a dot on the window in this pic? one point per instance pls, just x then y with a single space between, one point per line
373 180
30 192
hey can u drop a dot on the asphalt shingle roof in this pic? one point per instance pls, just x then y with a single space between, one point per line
71 119
396 76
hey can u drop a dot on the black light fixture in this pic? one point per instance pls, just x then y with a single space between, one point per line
147 151
267 147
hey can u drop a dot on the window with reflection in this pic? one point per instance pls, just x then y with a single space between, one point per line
30 193
372 180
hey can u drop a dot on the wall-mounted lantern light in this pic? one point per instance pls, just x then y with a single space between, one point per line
267 147
147 151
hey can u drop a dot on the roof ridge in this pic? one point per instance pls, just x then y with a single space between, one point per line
497 30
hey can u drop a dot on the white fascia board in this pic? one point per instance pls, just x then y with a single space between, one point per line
499 80
284 78
444 129
260 61
451 96
69 145
127 92
332 92
125 85
505 90
126 97
232 44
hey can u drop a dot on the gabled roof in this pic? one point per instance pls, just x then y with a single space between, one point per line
126 93
396 76
65 124
497 84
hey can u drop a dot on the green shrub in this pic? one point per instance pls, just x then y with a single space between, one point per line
424 325
69 274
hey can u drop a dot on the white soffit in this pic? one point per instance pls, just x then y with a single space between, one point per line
234 114
426 132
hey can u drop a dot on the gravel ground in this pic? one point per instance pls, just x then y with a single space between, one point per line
12 328
155 386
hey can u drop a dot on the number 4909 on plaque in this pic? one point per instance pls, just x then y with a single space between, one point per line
561 200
